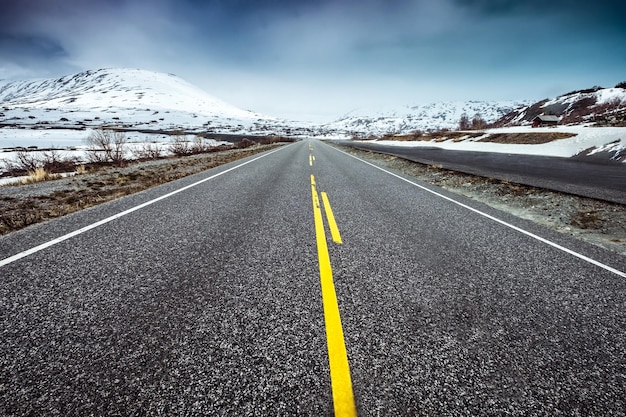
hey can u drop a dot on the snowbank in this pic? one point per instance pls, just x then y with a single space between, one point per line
586 137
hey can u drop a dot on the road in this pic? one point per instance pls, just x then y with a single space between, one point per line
228 293
600 179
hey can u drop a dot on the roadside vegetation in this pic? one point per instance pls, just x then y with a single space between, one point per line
106 176
33 162
476 123
106 147
521 138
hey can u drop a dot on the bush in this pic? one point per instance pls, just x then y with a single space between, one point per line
106 146
147 151
478 123
199 145
271 139
180 145
28 161
55 162
621 85
245 143
584 91
464 122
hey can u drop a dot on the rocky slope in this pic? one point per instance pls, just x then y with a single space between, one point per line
597 105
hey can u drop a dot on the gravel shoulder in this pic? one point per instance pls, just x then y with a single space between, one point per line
598 222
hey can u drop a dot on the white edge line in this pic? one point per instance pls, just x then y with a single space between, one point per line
502 222
70 235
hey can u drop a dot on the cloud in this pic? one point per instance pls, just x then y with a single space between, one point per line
29 45
346 52
21 56
337 28
88 34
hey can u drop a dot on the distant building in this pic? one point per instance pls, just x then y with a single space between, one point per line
545 120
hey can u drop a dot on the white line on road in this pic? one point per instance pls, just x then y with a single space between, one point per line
53 242
502 222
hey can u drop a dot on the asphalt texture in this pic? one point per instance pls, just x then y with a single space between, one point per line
588 177
208 303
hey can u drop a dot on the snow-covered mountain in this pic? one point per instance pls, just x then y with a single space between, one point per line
601 106
129 98
435 116
119 88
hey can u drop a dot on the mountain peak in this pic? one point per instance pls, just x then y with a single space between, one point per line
120 88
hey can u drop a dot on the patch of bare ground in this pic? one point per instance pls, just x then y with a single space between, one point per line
526 138
26 204
522 138
439 136
597 222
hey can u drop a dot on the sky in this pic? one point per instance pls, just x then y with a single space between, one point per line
319 60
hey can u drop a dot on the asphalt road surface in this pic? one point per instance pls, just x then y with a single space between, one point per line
233 297
587 177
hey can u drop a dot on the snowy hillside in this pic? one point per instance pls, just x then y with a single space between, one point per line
118 88
128 98
428 117
601 106
584 141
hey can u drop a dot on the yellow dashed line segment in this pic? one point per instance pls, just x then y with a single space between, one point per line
341 383
332 224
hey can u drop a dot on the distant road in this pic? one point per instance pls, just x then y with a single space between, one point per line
228 293
605 181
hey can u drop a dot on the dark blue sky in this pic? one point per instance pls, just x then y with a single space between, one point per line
319 59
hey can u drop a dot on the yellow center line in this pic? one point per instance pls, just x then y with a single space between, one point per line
311 160
332 224
341 383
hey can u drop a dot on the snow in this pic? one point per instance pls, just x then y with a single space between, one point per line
11 180
434 116
65 138
586 137
607 95
617 148
107 89
567 103
71 143
15 180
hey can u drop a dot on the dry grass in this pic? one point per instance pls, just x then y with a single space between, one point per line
81 169
39 175
526 138
440 136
